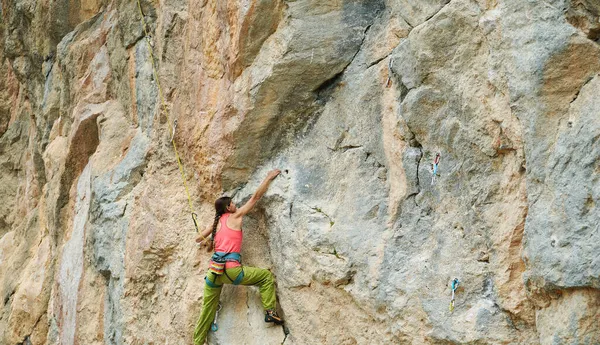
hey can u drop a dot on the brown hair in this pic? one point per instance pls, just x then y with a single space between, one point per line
221 205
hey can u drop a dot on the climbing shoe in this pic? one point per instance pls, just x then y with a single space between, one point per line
271 316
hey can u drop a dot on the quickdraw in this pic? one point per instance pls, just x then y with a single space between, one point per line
436 162
215 327
454 286
388 82
174 127
286 332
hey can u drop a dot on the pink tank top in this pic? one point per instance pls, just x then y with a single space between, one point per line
228 240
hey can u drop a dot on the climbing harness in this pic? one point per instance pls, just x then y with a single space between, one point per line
217 268
436 161
219 259
166 112
214 327
388 82
454 286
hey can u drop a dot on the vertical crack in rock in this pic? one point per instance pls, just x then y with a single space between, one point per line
362 41
403 89
414 155
420 156
9 297
248 307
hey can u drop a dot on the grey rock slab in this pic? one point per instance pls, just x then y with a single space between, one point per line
560 177
146 88
563 234
286 77
109 224
71 264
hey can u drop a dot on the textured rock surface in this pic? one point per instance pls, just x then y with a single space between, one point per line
352 99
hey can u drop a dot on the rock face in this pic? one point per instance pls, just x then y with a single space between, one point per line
352 99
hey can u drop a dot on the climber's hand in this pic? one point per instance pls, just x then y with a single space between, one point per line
203 241
273 173
206 244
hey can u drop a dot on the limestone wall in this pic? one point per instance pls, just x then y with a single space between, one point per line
352 99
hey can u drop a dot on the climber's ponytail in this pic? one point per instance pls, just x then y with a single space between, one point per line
220 208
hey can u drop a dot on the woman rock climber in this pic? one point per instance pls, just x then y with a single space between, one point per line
225 266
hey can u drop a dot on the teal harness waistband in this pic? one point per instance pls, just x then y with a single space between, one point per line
222 256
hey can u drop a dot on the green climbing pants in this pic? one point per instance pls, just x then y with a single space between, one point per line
252 276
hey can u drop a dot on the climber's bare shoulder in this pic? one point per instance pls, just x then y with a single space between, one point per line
234 222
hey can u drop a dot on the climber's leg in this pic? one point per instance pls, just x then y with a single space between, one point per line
212 292
260 277
265 281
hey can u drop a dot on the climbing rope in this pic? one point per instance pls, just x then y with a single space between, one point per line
166 112
453 286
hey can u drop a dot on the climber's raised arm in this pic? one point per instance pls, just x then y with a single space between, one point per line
260 191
